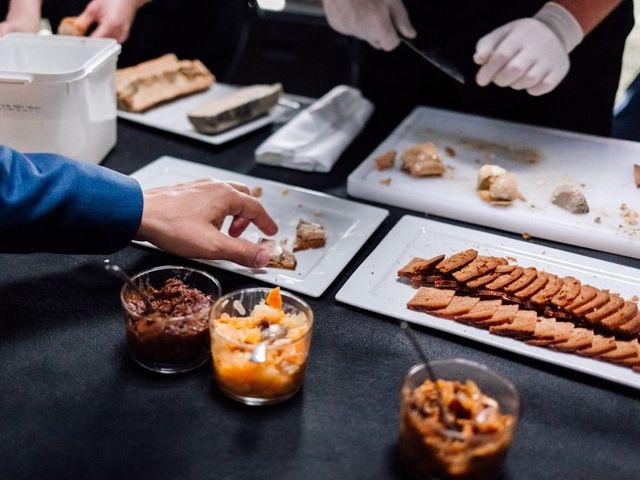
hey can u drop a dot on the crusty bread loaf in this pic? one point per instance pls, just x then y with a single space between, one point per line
241 106
70 26
156 81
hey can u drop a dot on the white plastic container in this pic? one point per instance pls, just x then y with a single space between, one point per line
57 94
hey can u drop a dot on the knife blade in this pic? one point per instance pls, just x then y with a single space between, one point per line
432 55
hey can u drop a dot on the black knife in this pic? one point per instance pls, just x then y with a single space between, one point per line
432 54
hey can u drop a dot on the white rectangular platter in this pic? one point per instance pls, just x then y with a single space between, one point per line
172 116
603 166
374 286
348 224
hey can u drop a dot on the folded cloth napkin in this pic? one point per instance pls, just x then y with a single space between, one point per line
314 139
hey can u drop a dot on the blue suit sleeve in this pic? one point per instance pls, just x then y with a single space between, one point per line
50 203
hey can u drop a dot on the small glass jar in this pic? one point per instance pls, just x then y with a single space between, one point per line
170 342
281 375
475 448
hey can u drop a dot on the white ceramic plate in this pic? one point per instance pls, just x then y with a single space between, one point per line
603 165
348 224
172 116
375 286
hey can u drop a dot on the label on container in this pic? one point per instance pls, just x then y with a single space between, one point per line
17 108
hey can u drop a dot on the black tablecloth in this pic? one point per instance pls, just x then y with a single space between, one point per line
74 405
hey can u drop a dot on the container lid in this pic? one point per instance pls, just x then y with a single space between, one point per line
27 57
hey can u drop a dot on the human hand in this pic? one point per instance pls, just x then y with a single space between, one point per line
23 16
113 17
374 21
530 53
186 219
23 25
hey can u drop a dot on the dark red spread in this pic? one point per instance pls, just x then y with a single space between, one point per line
176 331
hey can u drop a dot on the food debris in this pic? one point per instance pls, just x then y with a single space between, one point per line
629 215
279 257
497 186
634 298
597 220
526 236
450 151
636 174
284 192
256 192
386 160
423 160
386 181
569 197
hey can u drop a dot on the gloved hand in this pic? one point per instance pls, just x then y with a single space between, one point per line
530 53
374 21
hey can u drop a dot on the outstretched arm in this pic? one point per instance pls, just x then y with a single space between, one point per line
51 203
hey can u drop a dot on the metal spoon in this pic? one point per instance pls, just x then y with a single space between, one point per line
115 270
274 332
432 376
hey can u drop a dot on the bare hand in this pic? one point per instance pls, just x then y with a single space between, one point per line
23 16
186 219
374 21
113 17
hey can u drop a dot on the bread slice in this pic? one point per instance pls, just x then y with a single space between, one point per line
309 235
156 81
70 26
427 298
279 257
241 106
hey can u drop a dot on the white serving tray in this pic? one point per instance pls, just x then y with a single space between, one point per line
603 165
172 116
348 224
375 286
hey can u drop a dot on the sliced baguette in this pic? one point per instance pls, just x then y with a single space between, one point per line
159 80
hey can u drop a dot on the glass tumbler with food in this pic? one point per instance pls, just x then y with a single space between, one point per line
260 341
172 334
482 410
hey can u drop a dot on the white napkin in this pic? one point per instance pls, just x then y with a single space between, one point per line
316 137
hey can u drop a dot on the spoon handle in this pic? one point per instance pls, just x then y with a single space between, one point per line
259 353
121 274
432 376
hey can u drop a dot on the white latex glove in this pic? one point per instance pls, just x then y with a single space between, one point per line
529 54
374 21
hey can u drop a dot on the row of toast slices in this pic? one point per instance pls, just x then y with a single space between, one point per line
525 303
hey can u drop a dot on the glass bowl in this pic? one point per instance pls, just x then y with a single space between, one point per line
483 418
175 337
238 324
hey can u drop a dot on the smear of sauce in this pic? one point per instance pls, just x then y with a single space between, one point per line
491 149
